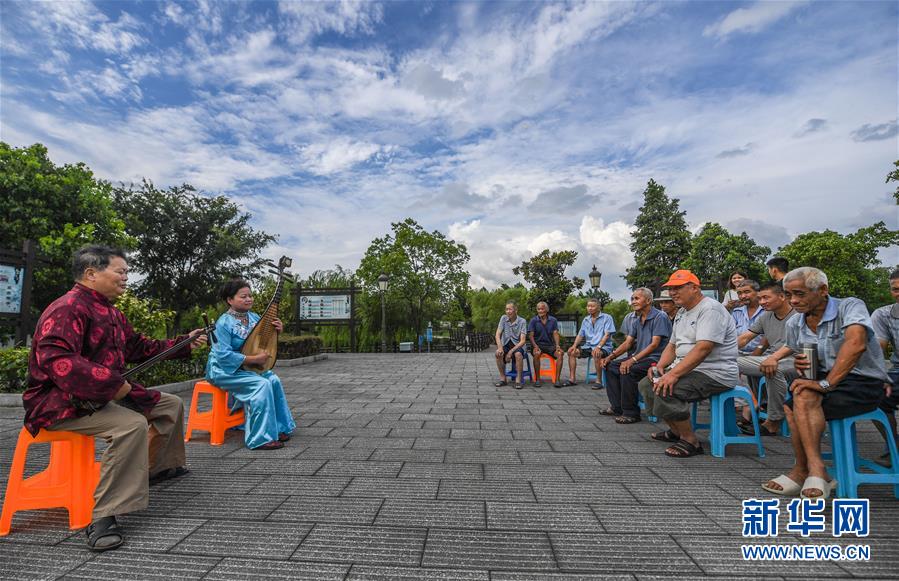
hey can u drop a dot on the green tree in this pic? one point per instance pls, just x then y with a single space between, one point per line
546 274
661 241
715 253
893 176
487 306
188 243
850 261
62 207
426 270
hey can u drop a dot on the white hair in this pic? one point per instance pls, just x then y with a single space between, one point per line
647 293
811 277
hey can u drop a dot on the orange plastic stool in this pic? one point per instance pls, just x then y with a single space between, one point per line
215 420
548 373
68 481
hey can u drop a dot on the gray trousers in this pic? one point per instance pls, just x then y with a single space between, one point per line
137 445
694 386
776 384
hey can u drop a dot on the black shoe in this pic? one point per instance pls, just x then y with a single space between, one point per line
168 474
104 534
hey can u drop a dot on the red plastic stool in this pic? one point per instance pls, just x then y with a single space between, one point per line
68 481
215 420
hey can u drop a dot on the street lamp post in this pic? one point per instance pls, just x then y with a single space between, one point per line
383 281
595 277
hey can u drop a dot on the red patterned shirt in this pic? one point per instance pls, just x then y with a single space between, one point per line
79 351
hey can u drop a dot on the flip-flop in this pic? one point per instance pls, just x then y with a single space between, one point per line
517 385
683 449
500 383
665 436
607 412
750 431
816 482
627 420
788 486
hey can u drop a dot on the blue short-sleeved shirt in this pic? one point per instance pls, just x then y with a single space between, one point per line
543 333
743 321
593 331
886 327
839 314
657 324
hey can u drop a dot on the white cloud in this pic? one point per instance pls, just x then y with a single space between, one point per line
338 155
306 20
752 19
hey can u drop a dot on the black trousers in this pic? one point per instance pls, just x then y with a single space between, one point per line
622 389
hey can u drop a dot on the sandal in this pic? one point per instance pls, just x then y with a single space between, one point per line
500 384
168 474
666 436
607 412
538 384
817 483
273 445
596 385
683 449
557 384
750 431
283 437
627 420
788 486
517 385
104 534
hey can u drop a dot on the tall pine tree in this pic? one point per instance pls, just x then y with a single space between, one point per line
661 241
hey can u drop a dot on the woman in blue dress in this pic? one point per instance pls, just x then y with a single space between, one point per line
268 420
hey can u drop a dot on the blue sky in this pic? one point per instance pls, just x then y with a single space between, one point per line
510 126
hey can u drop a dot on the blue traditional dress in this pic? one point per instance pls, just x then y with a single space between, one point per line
262 395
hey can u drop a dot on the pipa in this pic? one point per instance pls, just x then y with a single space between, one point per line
264 337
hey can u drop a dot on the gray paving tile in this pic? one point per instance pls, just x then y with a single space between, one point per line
43 527
251 569
227 506
148 534
527 472
522 576
31 562
370 573
622 474
360 468
263 540
541 517
301 485
433 514
292 466
391 488
117 565
409 455
483 456
451 471
681 494
670 518
488 550
557 458
320 509
486 490
582 492
364 545
617 553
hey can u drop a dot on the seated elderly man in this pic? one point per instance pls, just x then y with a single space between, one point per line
595 335
775 360
666 305
849 379
543 331
511 335
699 361
747 313
647 330
886 327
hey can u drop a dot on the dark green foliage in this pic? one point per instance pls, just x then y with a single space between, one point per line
295 346
62 207
850 261
893 176
427 275
13 369
546 273
661 241
716 253
188 243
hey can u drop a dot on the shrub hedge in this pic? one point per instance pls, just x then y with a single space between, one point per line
14 363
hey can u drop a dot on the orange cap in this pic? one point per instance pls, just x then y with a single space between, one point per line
682 277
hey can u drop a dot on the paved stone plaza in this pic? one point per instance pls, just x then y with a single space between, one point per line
415 467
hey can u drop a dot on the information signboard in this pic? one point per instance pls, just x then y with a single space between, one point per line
12 279
325 307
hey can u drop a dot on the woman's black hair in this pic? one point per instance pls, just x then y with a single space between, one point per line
730 283
231 288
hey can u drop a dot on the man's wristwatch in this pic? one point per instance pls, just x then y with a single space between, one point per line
825 385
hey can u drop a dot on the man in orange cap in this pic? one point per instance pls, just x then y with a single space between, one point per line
699 361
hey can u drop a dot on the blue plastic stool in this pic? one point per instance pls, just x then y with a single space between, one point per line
591 372
723 429
847 462
642 405
525 369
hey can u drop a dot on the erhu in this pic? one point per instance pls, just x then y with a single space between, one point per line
264 337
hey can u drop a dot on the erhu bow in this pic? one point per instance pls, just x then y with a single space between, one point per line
208 330
264 336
